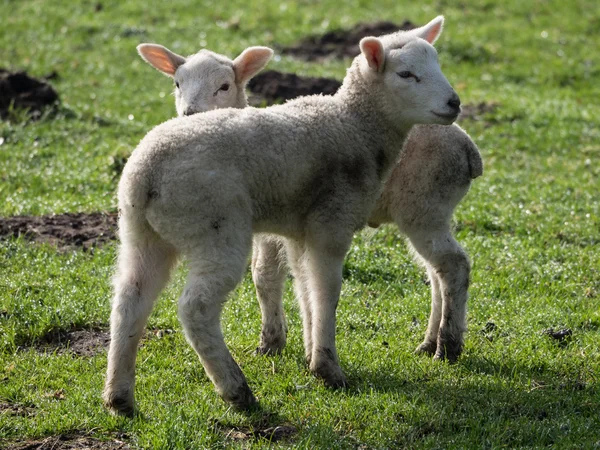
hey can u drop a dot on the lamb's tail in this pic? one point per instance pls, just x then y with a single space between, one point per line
135 191
145 258
474 158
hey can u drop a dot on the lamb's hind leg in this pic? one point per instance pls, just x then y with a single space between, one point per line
142 271
268 273
449 268
214 272
429 344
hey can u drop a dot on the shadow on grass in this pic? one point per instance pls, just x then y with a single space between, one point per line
532 403
539 376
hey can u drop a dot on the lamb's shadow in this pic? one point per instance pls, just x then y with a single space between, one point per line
508 384
384 379
482 392
530 397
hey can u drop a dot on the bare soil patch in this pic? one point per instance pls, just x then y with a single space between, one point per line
341 43
10 409
86 342
561 336
272 86
65 231
24 92
81 342
68 442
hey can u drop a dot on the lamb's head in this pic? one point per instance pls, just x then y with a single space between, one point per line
402 71
207 80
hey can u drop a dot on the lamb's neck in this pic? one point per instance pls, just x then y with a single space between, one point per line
360 99
387 139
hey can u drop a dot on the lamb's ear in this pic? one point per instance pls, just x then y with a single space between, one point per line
250 62
431 31
161 58
372 49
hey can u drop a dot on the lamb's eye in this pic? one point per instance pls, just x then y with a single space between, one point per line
177 84
224 87
406 75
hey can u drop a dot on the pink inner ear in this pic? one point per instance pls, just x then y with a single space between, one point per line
433 33
159 60
245 69
249 62
374 54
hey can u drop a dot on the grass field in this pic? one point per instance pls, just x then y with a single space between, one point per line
531 225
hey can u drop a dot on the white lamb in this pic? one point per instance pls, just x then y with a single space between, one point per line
433 174
310 170
207 80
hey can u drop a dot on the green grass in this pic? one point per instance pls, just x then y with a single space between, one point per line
531 225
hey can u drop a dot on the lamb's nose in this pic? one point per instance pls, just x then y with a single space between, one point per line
188 111
454 102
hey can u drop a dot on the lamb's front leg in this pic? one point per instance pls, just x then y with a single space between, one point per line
268 273
324 283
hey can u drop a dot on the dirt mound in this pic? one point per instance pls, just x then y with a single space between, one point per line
80 342
275 87
68 442
341 43
24 92
63 230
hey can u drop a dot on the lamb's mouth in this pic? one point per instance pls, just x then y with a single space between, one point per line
450 116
